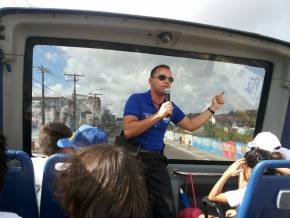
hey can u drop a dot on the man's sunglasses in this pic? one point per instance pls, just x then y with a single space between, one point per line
162 77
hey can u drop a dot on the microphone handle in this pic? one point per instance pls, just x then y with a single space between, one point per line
167 97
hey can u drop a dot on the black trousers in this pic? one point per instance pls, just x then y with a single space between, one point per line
158 184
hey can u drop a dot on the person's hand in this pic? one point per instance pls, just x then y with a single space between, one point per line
218 101
165 109
231 213
236 168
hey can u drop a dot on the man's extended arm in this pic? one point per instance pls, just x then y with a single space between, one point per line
196 122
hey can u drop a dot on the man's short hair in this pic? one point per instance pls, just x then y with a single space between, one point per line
3 159
158 66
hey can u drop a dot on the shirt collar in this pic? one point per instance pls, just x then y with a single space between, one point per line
148 98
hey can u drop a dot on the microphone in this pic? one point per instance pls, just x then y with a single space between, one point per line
167 94
167 98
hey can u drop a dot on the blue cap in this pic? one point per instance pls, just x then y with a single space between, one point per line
86 135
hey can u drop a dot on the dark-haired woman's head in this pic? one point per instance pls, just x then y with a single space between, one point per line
103 181
255 155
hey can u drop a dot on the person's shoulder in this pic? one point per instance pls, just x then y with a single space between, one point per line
8 215
39 161
235 197
174 104
133 103
238 190
138 95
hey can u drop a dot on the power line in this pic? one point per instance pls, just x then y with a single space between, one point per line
35 92
49 88
55 52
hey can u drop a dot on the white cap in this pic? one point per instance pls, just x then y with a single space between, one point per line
269 142
266 141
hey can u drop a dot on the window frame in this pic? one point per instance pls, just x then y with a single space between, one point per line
27 79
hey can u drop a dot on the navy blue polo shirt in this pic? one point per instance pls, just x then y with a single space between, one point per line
141 106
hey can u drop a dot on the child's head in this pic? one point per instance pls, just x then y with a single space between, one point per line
50 134
103 181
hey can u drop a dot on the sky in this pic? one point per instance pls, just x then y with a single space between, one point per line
265 17
109 73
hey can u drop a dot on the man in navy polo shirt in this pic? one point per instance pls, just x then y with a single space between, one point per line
146 117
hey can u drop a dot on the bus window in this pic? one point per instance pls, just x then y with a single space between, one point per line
78 85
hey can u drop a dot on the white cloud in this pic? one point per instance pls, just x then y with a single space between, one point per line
119 74
50 57
58 90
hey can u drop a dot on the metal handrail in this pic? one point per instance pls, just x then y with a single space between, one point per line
182 173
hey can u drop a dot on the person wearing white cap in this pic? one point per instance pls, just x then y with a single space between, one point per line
243 169
269 142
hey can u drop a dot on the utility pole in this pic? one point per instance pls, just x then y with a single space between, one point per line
107 115
95 102
75 79
41 69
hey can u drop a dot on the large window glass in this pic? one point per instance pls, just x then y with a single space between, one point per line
90 86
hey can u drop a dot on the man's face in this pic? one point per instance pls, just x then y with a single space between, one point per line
161 80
